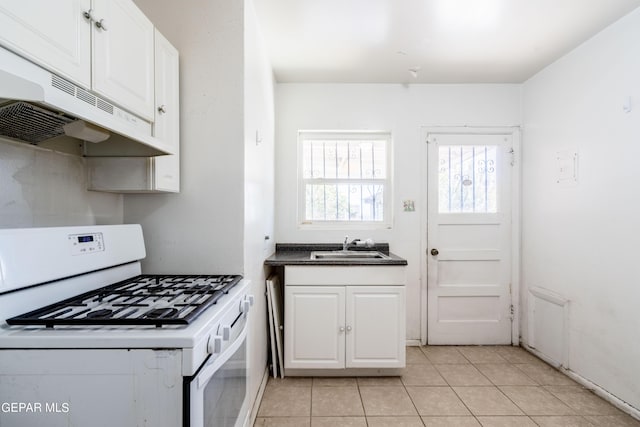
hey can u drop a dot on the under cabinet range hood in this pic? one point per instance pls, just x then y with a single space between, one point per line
37 106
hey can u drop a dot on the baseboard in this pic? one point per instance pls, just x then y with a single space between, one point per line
251 415
596 389
413 343
604 394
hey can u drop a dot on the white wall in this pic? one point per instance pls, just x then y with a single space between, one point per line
582 242
200 230
402 109
43 188
258 183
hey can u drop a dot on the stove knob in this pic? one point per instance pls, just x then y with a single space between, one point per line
214 345
246 305
226 332
251 299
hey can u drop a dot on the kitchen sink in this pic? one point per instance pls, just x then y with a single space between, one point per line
348 255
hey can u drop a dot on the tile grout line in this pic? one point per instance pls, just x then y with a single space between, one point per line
404 386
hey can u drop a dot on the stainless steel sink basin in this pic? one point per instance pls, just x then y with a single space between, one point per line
348 255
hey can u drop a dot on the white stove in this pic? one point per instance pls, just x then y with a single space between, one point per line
85 339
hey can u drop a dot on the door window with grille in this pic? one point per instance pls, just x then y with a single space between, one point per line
467 179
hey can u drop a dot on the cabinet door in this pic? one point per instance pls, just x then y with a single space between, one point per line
166 126
53 34
314 327
123 55
375 327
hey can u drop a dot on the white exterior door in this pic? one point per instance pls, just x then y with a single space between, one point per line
469 238
375 327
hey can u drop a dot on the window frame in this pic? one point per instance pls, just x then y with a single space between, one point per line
342 135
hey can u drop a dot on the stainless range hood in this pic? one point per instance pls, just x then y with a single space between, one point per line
35 106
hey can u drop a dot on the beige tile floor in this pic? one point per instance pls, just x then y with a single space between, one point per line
442 387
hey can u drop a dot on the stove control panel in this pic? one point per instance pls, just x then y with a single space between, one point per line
82 244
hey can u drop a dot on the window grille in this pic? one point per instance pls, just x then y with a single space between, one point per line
345 177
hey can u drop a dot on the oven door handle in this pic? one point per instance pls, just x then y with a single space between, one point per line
210 369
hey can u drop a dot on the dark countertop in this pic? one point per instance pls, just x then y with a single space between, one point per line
300 254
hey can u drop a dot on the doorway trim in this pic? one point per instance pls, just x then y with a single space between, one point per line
515 133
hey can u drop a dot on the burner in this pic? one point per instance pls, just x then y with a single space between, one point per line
104 312
158 313
168 299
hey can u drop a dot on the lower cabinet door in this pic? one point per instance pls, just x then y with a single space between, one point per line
375 327
314 331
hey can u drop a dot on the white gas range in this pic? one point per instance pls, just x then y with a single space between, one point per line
87 340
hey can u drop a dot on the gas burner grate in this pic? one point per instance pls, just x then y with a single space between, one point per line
147 299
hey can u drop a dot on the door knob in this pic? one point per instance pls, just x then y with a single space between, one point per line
434 252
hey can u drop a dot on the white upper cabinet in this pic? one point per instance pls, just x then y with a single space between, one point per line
167 105
123 62
103 45
166 126
55 34
158 174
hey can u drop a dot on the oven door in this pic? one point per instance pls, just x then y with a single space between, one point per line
218 392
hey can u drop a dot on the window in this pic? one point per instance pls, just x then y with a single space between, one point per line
467 179
345 178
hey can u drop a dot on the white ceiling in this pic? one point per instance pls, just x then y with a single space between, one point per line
447 41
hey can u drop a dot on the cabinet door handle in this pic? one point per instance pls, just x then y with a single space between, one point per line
348 328
341 328
87 14
101 24
162 109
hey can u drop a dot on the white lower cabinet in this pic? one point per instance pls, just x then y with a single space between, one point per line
360 324
314 327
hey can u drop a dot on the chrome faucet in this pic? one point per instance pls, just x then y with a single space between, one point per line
346 244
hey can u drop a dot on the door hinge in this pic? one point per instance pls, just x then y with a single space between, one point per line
511 311
513 156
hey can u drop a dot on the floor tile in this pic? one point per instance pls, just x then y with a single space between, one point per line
504 374
545 374
486 401
436 401
338 422
613 421
285 401
379 381
564 421
516 354
480 354
553 389
422 375
450 422
462 375
336 401
290 382
394 422
386 400
509 421
334 381
536 401
444 355
415 356
283 422
586 403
